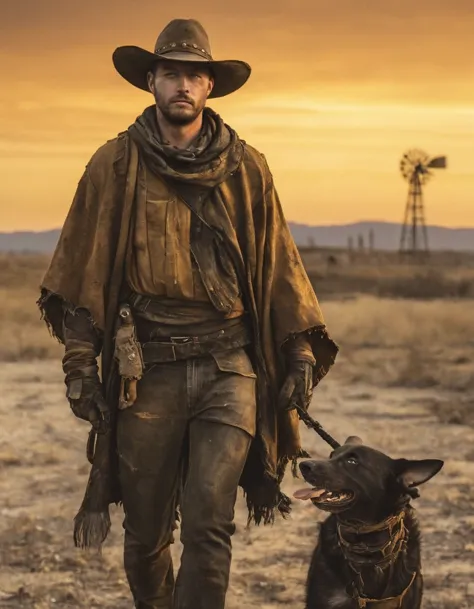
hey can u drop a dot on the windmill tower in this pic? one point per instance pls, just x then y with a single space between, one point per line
415 168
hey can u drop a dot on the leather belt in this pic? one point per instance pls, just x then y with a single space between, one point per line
183 347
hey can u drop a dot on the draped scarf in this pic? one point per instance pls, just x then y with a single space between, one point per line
208 161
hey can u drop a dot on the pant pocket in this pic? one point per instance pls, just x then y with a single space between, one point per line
236 361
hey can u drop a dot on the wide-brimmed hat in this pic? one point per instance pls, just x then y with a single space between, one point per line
181 40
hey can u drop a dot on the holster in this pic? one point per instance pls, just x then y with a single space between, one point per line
129 356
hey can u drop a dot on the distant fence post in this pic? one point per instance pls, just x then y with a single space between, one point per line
371 240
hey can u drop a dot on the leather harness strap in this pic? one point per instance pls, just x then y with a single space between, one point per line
360 554
392 602
363 554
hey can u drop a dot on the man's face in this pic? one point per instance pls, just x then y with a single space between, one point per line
180 90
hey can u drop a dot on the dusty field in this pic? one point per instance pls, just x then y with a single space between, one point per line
404 382
42 477
338 272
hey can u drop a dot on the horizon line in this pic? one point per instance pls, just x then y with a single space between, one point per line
320 225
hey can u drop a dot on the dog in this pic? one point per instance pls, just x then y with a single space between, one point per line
368 551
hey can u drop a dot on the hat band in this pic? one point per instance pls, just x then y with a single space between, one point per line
183 46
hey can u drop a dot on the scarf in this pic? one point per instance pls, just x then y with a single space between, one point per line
213 156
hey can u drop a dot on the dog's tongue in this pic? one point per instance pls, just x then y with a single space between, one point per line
307 493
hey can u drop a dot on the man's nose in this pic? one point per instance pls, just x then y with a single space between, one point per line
183 83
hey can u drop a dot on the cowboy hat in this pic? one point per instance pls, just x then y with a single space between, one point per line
181 40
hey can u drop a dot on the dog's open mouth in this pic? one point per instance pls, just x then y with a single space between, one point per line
324 496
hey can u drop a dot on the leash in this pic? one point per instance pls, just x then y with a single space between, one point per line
317 427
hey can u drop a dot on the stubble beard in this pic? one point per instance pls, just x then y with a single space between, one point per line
177 116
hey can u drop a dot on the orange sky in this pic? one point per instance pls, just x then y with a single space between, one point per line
339 90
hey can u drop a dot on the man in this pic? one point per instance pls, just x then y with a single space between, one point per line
176 264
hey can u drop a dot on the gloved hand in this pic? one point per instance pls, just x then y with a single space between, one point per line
84 389
86 398
298 386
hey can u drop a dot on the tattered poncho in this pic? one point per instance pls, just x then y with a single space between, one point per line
87 270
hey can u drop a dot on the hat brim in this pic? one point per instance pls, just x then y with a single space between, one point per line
134 63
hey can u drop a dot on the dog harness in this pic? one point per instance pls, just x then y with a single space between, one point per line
391 602
360 554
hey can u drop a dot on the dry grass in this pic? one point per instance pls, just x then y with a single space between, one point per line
384 341
408 344
22 270
23 336
400 342
400 362
339 272
366 321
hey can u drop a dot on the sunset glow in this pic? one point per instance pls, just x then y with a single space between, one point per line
335 98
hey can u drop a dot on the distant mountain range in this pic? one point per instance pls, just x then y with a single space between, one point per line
386 236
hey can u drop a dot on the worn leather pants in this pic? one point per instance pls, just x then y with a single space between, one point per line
184 443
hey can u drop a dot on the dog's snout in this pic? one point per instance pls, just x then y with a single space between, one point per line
306 467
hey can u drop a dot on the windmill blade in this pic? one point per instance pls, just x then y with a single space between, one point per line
439 162
415 162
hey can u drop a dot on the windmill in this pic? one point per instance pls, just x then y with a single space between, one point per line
415 167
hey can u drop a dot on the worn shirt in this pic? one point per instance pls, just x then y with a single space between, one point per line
160 263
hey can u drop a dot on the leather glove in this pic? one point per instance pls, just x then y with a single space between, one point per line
86 398
298 386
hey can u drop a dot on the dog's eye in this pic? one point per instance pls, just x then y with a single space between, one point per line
352 460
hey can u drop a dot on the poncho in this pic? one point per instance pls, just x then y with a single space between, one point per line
87 271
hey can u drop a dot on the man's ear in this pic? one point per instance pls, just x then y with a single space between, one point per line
414 473
211 85
151 81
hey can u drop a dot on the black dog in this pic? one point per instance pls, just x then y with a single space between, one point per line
368 552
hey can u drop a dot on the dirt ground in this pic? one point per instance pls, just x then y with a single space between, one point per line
404 382
43 473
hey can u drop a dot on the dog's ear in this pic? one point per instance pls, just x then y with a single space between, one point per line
354 440
414 473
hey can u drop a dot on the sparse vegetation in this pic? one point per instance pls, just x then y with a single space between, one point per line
393 342
404 381
342 273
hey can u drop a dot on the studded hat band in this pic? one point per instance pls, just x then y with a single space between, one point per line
183 46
